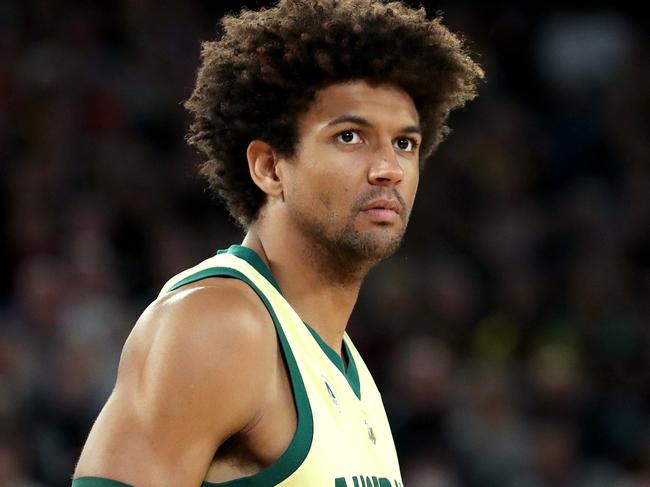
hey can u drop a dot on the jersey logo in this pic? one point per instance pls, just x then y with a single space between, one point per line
371 433
332 394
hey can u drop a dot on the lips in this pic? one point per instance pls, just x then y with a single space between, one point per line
383 211
383 204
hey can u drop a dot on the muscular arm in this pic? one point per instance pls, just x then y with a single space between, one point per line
185 384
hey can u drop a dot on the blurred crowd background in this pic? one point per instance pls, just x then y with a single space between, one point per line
510 334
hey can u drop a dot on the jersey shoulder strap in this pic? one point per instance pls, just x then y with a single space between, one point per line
244 264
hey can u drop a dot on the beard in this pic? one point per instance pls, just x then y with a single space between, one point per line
344 252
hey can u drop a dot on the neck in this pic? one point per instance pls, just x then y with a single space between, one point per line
320 287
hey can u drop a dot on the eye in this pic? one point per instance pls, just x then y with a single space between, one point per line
349 137
405 144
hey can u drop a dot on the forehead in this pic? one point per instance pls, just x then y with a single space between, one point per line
380 104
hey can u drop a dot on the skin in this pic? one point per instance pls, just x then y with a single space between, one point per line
179 398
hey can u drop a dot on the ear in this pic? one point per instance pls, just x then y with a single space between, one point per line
262 165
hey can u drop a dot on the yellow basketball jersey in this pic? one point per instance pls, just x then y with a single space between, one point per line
343 438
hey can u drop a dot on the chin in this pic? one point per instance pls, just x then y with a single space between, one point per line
373 247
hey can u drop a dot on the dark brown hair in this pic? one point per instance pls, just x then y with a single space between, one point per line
265 68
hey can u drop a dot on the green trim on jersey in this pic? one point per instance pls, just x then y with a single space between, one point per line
299 447
351 374
249 255
97 482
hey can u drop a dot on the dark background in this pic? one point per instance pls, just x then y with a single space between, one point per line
509 335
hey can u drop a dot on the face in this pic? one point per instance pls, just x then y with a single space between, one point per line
351 183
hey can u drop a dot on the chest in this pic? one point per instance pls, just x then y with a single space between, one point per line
351 435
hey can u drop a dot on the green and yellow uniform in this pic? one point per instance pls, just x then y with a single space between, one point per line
343 438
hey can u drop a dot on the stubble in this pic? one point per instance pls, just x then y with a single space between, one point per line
344 253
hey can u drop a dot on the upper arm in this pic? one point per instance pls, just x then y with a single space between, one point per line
184 386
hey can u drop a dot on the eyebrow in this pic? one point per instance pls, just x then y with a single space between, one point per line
347 118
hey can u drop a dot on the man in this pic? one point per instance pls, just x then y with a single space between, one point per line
241 371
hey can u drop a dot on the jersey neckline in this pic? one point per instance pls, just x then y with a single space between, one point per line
250 256
350 372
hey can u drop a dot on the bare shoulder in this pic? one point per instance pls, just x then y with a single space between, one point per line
208 315
195 370
207 331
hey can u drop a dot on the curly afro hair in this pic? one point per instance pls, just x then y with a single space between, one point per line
265 68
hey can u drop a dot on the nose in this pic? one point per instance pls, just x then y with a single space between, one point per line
385 169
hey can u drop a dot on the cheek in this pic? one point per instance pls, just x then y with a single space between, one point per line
415 188
325 179
311 191
332 195
411 186
329 186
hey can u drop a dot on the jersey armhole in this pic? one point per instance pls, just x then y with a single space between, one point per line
297 451
97 482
